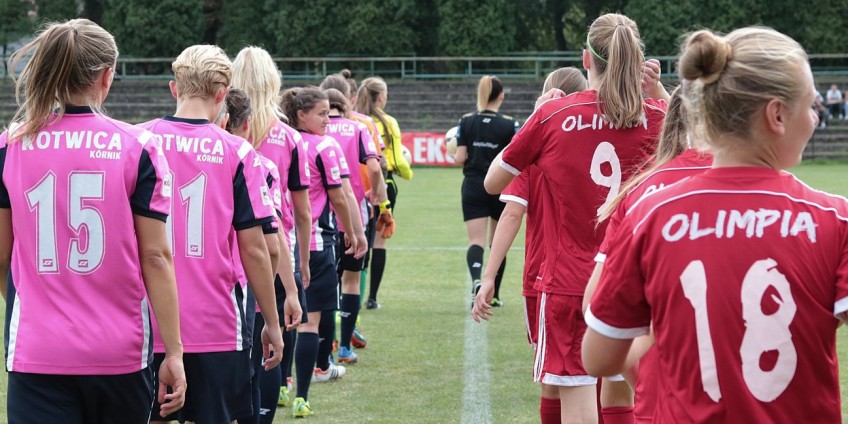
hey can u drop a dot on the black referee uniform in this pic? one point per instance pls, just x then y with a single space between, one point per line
484 134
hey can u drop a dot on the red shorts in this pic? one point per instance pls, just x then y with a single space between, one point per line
561 330
531 318
647 391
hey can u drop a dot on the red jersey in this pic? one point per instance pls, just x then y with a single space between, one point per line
690 162
741 271
522 191
583 160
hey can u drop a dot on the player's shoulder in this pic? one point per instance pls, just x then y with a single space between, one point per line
568 103
822 200
469 115
136 133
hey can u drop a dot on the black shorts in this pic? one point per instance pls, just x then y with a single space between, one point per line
476 202
370 232
391 190
219 388
78 399
323 291
346 262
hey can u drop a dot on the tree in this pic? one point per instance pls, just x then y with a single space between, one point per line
14 24
154 28
58 10
470 27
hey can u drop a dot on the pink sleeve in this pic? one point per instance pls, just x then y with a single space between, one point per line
526 146
329 165
276 191
299 168
345 170
152 194
366 146
253 204
619 308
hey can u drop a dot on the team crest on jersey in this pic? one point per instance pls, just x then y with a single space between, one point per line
266 196
166 185
278 198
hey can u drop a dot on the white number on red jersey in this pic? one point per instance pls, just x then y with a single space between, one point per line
605 153
83 187
763 333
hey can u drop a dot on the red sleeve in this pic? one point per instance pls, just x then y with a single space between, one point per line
518 190
526 146
841 304
618 308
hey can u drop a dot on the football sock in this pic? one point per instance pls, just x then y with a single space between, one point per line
363 277
326 334
378 264
269 392
618 415
349 311
499 278
474 257
290 340
305 354
549 411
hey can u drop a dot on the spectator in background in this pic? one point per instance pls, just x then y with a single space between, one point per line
821 110
834 102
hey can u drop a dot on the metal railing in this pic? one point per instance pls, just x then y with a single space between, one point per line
440 67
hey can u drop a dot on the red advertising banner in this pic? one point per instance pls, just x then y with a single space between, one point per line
427 148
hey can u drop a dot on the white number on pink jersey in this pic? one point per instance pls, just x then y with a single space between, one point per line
193 196
763 333
605 153
82 187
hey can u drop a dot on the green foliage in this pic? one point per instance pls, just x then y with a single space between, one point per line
154 28
58 10
249 23
819 28
14 21
472 28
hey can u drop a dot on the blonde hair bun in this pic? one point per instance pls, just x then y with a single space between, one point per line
705 57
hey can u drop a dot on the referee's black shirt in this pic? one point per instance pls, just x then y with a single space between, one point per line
485 134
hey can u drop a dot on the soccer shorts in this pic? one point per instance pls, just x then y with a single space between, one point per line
476 202
323 291
79 399
561 330
346 261
219 388
531 319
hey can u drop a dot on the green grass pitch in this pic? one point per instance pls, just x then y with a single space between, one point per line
413 370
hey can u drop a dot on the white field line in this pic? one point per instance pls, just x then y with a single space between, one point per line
476 395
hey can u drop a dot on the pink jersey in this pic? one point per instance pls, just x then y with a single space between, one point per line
583 161
220 188
282 146
353 139
523 191
372 129
740 271
327 167
76 299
